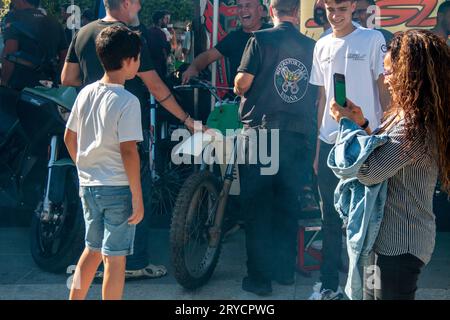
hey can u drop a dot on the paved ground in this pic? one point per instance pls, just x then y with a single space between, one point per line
21 279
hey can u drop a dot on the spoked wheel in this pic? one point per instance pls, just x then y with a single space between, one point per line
195 248
160 188
57 239
165 188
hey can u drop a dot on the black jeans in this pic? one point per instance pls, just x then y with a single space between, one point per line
331 223
396 275
270 204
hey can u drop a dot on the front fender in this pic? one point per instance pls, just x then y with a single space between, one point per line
194 145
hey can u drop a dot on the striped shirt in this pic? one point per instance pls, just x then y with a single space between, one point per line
408 225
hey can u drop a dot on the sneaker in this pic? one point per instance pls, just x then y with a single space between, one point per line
326 294
258 288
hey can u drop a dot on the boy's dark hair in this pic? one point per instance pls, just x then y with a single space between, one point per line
285 7
158 15
444 7
115 44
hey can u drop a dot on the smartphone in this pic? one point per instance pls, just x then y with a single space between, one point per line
339 89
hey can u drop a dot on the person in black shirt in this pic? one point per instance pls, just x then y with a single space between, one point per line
83 67
86 17
64 16
250 13
159 46
136 86
49 44
278 101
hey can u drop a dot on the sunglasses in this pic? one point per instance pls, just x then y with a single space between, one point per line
387 73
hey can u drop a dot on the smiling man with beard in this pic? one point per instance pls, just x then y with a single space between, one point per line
250 13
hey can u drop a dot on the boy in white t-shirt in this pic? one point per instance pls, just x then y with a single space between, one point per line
357 53
101 136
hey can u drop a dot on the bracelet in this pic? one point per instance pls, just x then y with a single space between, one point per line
365 125
161 101
187 117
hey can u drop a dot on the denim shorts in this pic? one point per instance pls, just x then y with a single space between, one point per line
106 213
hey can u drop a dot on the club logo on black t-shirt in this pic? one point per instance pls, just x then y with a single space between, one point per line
291 80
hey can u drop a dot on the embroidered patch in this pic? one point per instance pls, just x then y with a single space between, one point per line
291 80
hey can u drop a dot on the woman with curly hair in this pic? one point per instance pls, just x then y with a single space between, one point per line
416 154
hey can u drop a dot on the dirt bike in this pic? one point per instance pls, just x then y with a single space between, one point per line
196 231
196 234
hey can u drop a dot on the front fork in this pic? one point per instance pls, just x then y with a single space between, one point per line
46 214
151 154
154 138
216 230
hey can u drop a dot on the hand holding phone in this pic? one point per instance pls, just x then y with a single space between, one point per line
339 89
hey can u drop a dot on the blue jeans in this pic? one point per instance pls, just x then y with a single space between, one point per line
106 213
139 259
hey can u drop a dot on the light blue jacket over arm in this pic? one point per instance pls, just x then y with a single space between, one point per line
360 206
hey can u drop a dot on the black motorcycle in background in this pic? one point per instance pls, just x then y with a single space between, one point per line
39 180
37 176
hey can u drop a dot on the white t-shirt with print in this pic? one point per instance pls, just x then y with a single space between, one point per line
103 116
359 56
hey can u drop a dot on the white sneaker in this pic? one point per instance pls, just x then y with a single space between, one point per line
325 294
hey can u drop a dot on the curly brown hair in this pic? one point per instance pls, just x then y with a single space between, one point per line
421 89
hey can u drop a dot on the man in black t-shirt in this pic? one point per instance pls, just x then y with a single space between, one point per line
83 67
49 44
250 13
136 86
64 16
273 79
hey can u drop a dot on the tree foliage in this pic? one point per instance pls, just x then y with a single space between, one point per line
4 7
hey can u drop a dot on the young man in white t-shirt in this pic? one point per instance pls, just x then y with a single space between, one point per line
357 53
101 136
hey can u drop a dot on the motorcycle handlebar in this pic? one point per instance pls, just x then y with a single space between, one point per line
196 83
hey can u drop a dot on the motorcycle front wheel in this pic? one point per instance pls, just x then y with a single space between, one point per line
57 243
194 258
